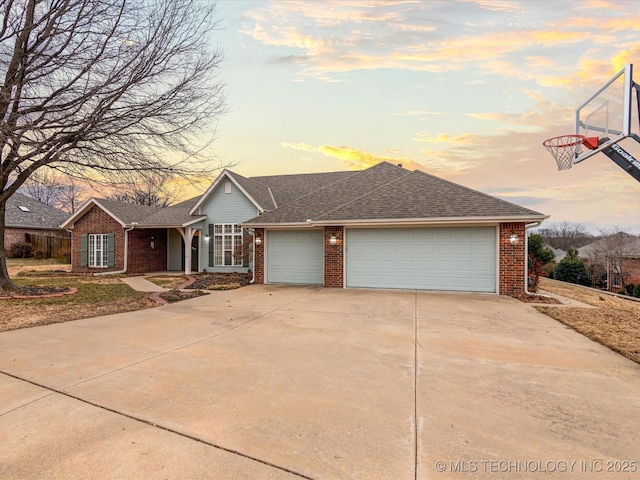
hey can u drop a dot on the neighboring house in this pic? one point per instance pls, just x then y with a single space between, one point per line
559 253
617 257
30 221
383 227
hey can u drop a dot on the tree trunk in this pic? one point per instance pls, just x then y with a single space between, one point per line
5 281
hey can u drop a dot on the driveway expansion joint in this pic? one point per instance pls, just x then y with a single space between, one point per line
158 426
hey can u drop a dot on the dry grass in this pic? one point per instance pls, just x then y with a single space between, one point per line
614 322
170 282
17 266
96 296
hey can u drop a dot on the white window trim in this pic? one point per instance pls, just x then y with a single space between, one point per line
228 241
98 249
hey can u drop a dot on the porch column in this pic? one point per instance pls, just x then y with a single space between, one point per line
187 237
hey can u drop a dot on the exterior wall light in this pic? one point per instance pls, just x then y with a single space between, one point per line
513 239
333 240
258 240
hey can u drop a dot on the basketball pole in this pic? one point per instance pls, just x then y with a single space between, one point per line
624 159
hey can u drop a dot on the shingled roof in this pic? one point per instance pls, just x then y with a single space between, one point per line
33 214
286 188
389 192
381 193
172 216
271 192
142 215
127 213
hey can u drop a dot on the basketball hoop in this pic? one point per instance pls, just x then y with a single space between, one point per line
564 149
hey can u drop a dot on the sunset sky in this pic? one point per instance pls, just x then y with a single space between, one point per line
465 90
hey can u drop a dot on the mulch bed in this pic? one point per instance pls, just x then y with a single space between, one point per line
36 291
220 281
173 296
204 281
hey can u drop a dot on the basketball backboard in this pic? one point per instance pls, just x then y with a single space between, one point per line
607 113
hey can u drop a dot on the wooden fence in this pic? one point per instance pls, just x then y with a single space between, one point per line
50 247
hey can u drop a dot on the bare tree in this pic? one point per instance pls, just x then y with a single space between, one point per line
566 235
148 188
63 193
100 88
611 251
42 186
72 196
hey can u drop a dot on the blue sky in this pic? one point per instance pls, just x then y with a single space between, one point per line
465 90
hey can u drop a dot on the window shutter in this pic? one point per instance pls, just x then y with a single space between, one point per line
84 250
111 240
211 239
245 257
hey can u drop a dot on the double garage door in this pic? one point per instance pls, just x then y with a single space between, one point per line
462 259
459 259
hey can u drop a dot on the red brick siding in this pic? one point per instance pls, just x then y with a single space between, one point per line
630 268
258 257
512 260
96 221
142 258
334 257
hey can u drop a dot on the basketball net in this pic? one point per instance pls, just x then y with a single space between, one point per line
564 149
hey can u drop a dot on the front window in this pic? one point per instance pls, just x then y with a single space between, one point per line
98 250
616 280
616 274
227 245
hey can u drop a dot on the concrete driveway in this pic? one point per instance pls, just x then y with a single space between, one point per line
292 382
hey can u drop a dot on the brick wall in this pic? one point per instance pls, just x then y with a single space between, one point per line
97 221
142 258
145 257
512 260
334 257
258 257
630 268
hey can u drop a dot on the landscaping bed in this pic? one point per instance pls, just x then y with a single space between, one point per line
220 281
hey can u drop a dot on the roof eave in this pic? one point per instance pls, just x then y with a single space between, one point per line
279 225
403 221
166 225
35 227
84 208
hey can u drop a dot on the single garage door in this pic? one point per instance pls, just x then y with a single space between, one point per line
295 257
462 259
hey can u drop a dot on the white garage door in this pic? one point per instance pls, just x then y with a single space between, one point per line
462 259
295 257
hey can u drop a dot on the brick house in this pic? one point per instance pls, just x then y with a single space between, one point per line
382 227
27 219
618 256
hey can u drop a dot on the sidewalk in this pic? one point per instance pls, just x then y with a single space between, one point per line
141 284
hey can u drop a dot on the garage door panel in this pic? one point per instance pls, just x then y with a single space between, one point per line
423 258
484 249
295 257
